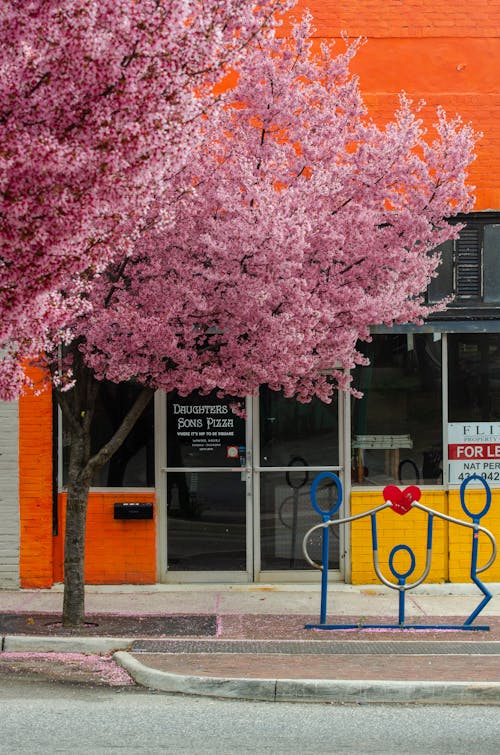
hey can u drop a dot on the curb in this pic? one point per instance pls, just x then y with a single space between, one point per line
272 690
207 686
311 690
94 645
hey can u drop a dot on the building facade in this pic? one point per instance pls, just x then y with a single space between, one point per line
197 494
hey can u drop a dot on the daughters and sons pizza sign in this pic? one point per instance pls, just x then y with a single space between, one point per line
474 448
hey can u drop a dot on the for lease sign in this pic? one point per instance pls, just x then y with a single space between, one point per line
474 448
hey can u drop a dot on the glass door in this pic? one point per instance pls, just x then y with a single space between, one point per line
206 486
294 442
223 517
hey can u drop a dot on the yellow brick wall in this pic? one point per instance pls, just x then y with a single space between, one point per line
451 552
461 537
395 529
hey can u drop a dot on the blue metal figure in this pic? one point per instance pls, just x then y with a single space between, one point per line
401 502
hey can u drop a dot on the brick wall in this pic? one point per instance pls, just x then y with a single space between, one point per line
445 53
394 529
116 551
404 18
35 488
452 543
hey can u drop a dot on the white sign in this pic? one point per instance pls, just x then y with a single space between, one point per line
473 448
206 427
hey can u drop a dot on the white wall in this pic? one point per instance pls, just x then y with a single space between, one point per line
9 494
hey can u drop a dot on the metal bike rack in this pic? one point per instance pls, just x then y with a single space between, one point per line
401 502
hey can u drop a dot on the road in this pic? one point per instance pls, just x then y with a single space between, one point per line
47 717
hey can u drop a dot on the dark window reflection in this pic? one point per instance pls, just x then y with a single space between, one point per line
397 425
206 510
491 263
294 435
286 516
291 432
442 285
474 377
133 464
207 523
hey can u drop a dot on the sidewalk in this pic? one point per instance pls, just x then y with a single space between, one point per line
250 641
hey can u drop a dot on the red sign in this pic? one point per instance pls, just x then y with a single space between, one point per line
462 451
473 448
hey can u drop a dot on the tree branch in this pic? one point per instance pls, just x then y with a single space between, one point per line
106 452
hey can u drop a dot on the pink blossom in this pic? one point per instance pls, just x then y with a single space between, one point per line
303 224
100 103
102 665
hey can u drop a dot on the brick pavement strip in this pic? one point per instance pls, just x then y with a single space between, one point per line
237 626
463 668
274 626
316 647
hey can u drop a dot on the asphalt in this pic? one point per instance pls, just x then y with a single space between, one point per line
251 642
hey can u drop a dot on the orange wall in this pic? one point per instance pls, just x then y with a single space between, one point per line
35 487
445 53
117 551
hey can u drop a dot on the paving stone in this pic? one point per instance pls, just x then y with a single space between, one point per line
308 666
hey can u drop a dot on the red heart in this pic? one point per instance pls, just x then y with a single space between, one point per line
392 493
412 493
401 500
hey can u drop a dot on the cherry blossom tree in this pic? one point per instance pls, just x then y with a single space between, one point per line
99 102
300 224
316 225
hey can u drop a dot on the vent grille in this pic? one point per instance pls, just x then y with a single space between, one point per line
468 264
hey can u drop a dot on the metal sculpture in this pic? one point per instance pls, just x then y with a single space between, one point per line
400 501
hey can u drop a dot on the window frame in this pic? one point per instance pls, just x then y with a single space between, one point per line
467 281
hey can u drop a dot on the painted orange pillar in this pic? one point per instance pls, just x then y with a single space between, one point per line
35 486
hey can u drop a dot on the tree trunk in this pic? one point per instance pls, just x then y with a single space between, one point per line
78 408
74 538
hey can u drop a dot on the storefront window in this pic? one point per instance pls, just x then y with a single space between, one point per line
294 435
442 285
470 265
491 262
474 377
397 424
286 516
133 464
